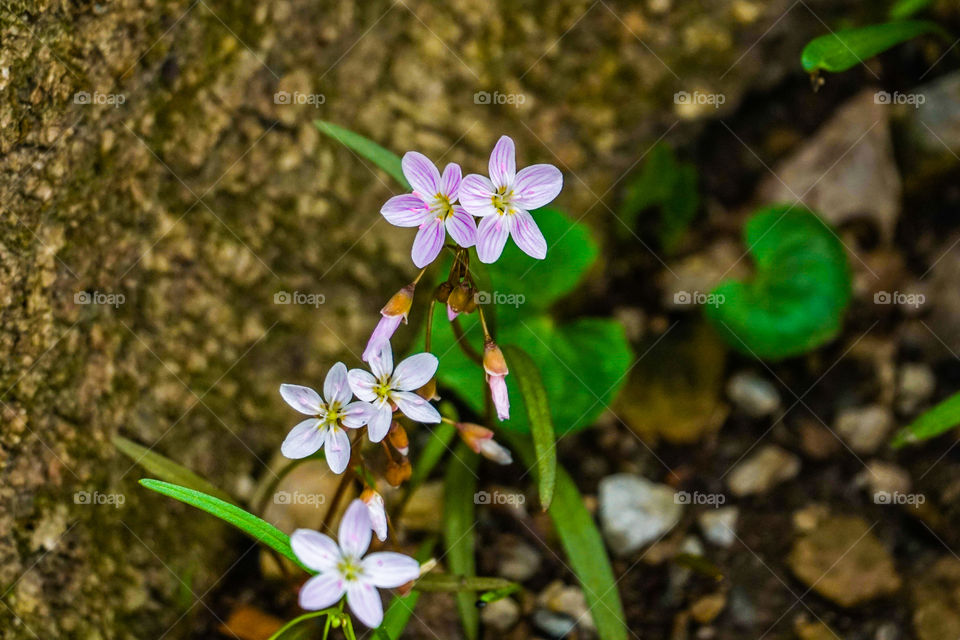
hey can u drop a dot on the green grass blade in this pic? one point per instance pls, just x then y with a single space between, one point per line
460 488
366 148
541 424
844 49
904 9
938 420
166 469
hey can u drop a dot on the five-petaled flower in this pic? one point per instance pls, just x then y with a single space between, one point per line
388 388
331 416
431 207
504 201
342 569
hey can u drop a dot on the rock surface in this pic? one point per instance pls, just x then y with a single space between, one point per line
635 512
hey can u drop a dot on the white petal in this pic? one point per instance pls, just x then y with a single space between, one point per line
450 183
379 425
491 237
303 399
378 517
407 210
428 243
314 549
537 185
476 195
421 174
361 383
320 592
304 440
414 372
357 414
364 601
337 449
528 237
389 570
355 530
382 364
336 388
462 227
503 162
415 407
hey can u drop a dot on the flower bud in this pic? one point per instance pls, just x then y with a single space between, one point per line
493 361
378 514
480 440
398 438
429 390
392 313
461 299
398 473
443 292
495 367
400 303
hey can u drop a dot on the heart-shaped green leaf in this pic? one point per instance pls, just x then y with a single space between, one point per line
847 48
797 297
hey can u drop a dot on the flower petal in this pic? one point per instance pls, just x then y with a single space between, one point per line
462 227
451 314
361 383
336 388
450 182
501 399
537 185
527 235
421 174
415 407
379 424
382 364
322 591
414 372
364 601
304 440
357 414
355 530
407 210
427 244
503 162
316 550
389 570
378 516
303 399
381 333
476 195
338 449
491 237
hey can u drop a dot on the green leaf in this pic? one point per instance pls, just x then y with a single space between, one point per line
904 9
293 629
460 487
799 293
366 148
166 469
538 413
938 420
846 48
397 616
584 547
257 528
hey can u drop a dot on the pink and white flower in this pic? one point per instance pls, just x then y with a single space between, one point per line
392 313
388 388
377 512
342 569
504 201
330 415
431 208
495 368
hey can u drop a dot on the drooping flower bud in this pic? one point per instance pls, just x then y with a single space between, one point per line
480 440
392 314
398 438
429 390
398 472
443 292
378 513
460 300
495 366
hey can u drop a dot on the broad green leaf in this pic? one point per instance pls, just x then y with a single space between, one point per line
366 148
538 413
166 469
397 615
797 297
938 420
904 9
847 48
459 506
257 528
584 547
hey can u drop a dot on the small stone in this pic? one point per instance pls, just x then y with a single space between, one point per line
865 429
761 471
719 526
501 615
518 561
936 601
635 511
844 562
814 630
915 384
817 441
887 631
555 625
742 611
883 477
568 600
754 395
706 609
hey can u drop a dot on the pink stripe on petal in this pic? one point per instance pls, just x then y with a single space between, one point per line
427 244
414 372
381 333
462 227
415 407
364 601
491 237
389 570
336 387
337 449
357 414
476 195
355 529
537 185
314 549
303 399
320 592
421 174
407 210
382 363
379 424
304 440
528 237
361 383
503 162
450 182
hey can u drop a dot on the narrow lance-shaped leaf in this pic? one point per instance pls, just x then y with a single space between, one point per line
938 420
366 148
460 488
166 469
538 413
847 48
904 9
